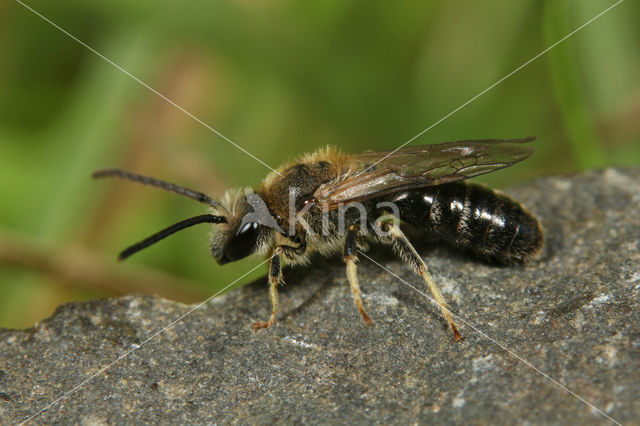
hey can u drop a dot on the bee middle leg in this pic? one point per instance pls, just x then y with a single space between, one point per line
351 259
275 278
407 252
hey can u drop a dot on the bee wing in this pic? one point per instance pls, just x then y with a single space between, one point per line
384 172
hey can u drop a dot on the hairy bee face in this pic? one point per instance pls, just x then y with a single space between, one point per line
240 236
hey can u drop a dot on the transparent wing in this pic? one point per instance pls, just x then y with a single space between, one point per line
384 172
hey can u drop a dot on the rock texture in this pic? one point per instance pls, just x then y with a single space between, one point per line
573 314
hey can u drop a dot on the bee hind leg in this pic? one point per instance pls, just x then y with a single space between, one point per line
275 278
351 259
406 251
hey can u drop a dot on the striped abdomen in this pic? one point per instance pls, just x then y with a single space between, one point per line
473 216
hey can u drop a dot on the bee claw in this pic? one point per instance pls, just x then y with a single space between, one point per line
457 336
260 325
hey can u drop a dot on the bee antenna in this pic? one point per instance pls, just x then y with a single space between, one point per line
123 174
205 218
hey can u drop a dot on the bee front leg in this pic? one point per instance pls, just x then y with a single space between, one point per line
275 278
406 251
351 259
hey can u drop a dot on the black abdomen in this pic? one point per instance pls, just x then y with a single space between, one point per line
473 216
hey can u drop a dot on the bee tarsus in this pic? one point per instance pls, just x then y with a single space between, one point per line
275 278
406 251
351 259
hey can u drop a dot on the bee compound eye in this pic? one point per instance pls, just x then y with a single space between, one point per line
243 243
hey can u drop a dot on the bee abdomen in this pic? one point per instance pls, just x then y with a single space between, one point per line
472 216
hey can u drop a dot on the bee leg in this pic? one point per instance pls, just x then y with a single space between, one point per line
351 259
275 277
406 251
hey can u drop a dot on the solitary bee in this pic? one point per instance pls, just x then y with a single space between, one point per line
329 201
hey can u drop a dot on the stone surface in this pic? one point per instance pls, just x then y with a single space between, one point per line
573 314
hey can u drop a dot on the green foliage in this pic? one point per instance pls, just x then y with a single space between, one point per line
278 78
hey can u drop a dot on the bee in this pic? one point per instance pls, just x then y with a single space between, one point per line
329 202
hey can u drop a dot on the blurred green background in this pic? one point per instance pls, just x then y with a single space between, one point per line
278 77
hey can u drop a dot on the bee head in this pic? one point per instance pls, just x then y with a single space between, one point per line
244 232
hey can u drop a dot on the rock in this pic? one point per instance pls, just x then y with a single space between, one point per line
573 315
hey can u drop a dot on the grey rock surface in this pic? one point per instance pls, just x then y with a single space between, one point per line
573 314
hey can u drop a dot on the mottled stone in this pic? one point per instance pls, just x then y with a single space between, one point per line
572 314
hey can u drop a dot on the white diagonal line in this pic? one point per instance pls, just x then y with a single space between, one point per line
494 341
124 71
496 83
136 347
